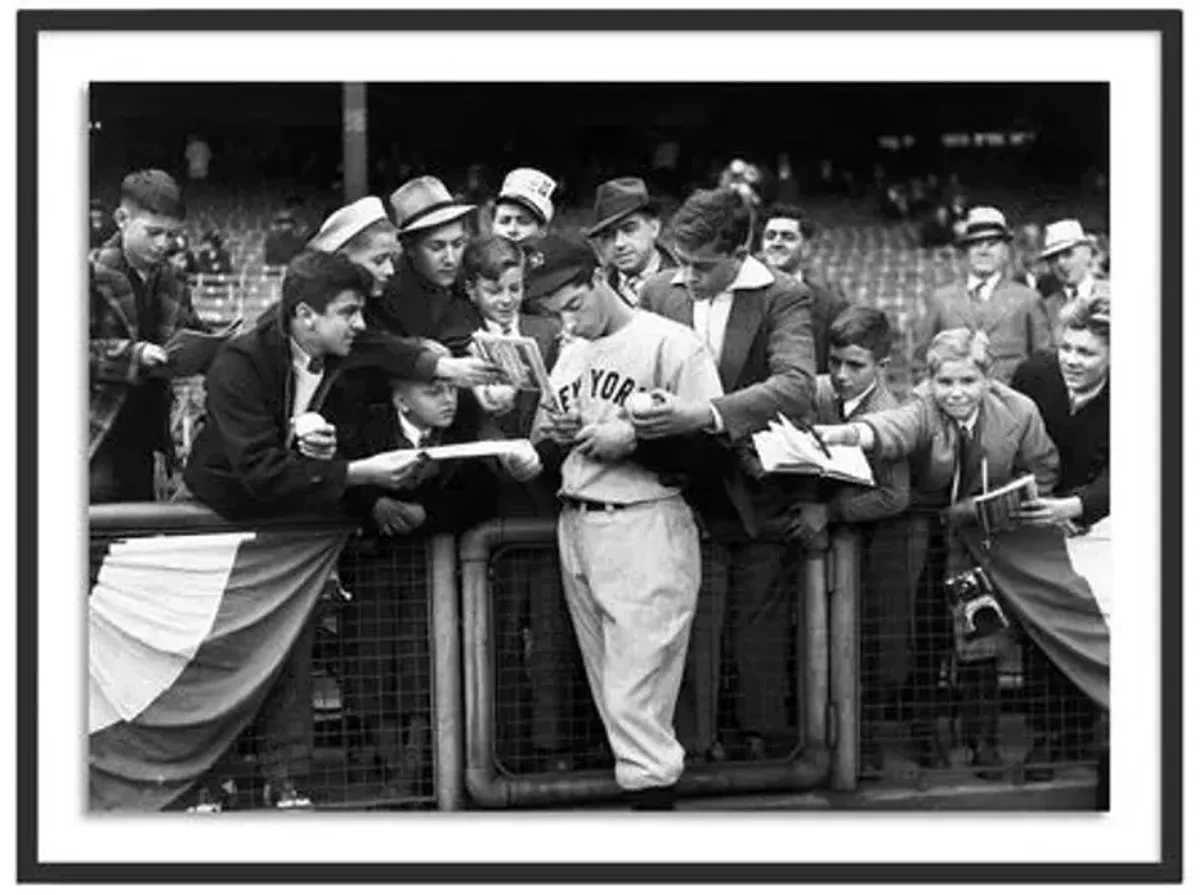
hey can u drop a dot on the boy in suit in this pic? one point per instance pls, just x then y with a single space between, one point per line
860 346
529 606
385 626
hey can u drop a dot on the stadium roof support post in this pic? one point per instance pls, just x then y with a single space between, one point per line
354 140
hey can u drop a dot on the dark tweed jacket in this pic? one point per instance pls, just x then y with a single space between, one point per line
116 342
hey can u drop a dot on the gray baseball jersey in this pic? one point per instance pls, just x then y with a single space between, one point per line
597 378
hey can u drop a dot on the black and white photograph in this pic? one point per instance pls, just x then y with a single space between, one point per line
308 595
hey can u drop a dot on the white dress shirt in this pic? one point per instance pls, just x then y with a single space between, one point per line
414 433
852 404
985 287
307 382
514 328
630 286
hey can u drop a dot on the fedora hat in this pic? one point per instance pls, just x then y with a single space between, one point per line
984 222
1063 235
619 198
424 202
530 188
346 223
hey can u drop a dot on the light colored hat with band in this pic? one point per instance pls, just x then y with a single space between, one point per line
423 203
531 189
347 222
984 222
1063 235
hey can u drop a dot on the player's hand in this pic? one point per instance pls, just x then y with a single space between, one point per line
668 415
606 441
467 371
564 427
397 517
496 399
320 444
1050 512
522 464
152 355
843 434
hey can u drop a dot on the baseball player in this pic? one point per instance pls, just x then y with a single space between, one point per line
628 544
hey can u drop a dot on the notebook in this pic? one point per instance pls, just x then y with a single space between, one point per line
996 509
784 448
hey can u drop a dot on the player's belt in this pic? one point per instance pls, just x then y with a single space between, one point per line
594 506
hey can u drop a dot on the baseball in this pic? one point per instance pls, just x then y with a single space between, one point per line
308 423
640 402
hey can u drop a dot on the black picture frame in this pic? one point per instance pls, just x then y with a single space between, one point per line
1166 23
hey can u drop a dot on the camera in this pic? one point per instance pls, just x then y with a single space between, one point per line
977 612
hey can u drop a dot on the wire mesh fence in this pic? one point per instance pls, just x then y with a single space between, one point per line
993 708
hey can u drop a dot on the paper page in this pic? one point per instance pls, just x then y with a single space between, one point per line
189 351
469 449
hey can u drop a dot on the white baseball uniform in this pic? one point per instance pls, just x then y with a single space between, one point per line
631 572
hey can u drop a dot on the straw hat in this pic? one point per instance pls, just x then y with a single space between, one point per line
423 203
347 222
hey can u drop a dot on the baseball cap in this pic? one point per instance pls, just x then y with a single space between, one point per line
531 188
554 261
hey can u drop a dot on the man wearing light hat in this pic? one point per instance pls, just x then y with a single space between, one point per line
523 208
625 233
425 297
1070 252
988 299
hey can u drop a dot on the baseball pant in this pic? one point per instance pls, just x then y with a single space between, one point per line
631 577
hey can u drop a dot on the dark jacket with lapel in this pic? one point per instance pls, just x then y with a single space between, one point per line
412 306
116 340
1082 438
241 464
826 306
666 262
1011 317
767 365
767 369
455 494
890 495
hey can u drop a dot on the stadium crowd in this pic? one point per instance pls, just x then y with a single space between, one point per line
668 343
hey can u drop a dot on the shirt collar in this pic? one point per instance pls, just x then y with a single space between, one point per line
304 361
852 404
970 423
753 274
493 327
1079 399
414 433
989 283
652 267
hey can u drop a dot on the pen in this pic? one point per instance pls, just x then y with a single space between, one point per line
808 427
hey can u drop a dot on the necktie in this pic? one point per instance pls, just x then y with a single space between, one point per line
965 463
977 290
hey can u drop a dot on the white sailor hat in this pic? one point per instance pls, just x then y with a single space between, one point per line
531 188
347 222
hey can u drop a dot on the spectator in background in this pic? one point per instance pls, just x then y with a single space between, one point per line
477 193
937 229
1029 268
211 258
786 247
284 241
101 225
987 300
625 231
426 297
524 208
198 156
136 304
1071 254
